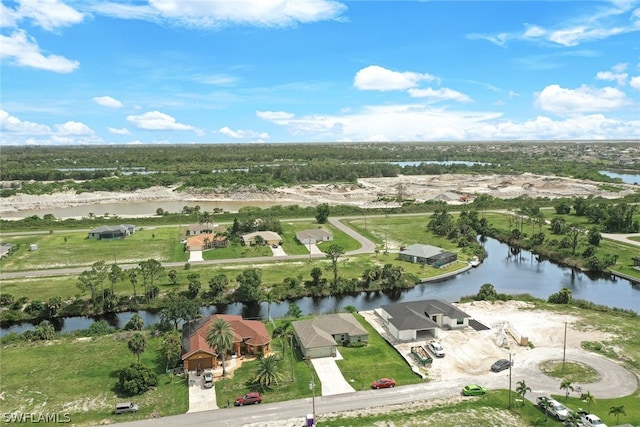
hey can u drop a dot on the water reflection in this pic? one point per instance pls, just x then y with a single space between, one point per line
510 271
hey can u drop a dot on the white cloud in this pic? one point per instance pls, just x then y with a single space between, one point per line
25 52
439 94
274 115
74 128
12 124
635 82
155 120
584 99
48 14
240 134
620 78
378 78
216 13
119 131
596 24
107 101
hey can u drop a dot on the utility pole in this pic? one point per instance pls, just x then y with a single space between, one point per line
510 363
564 347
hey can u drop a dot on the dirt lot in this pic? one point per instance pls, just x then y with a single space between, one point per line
469 352
368 193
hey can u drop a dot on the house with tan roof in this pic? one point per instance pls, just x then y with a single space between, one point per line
313 236
320 336
250 338
269 237
201 242
202 228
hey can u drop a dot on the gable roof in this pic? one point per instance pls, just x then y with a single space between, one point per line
317 332
417 314
111 228
202 226
197 241
194 334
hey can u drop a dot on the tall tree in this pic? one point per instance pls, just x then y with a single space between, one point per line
87 281
171 348
101 271
522 389
218 284
137 344
220 337
115 275
151 270
334 252
135 323
589 398
132 274
322 213
178 308
567 386
249 289
617 410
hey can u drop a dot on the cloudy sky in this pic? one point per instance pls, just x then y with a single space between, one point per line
251 71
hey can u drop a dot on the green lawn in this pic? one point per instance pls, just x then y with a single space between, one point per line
78 376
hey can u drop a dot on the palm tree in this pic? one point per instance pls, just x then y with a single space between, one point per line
567 387
132 273
220 336
268 371
137 344
285 332
136 323
589 398
617 410
545 404
573 419
522 389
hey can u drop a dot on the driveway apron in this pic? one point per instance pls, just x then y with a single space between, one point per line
200 398
330 376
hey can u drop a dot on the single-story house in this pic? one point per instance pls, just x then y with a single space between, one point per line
421 320
427 254
112 232
202 228
250 337
313 236
269 237
206 241
319 337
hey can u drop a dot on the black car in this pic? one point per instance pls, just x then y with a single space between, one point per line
500 365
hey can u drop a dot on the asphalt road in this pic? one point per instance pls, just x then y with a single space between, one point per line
615 382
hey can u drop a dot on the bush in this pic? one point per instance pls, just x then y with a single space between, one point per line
34 308
6 299
99 327
10 338
136 379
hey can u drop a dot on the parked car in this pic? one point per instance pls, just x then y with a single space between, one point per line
274 246
473 390
436 348
125 407
207 380
576 418
500 365
556 409
384 383
591 420
252 398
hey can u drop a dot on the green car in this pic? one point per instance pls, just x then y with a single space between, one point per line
473 390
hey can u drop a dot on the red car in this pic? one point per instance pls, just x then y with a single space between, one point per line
384 383
249 398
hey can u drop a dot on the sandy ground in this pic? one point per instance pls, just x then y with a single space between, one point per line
476 351
368 193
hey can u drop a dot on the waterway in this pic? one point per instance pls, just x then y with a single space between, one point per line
627 178
508 272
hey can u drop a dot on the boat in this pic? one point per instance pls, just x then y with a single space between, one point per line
474 262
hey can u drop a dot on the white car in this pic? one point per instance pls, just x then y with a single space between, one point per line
593 421
207 380
436 348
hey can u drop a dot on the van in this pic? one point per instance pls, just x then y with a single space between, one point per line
125 407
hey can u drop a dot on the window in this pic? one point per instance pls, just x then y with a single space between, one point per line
459 321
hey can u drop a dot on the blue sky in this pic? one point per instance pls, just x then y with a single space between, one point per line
253 71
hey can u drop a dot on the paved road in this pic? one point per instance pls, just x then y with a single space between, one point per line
615 382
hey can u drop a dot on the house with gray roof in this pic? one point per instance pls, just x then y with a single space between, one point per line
112 232
421 320
201 228
427 254
313 236
320 336
268 237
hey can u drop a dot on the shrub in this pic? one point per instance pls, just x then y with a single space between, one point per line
6 299
99 327
136 379
34 308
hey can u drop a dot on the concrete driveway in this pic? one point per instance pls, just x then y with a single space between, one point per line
330 376
200 398
195 256
279 251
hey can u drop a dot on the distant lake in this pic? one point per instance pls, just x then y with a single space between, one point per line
627 178
438 162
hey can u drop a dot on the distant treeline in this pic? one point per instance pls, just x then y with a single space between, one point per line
42 170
